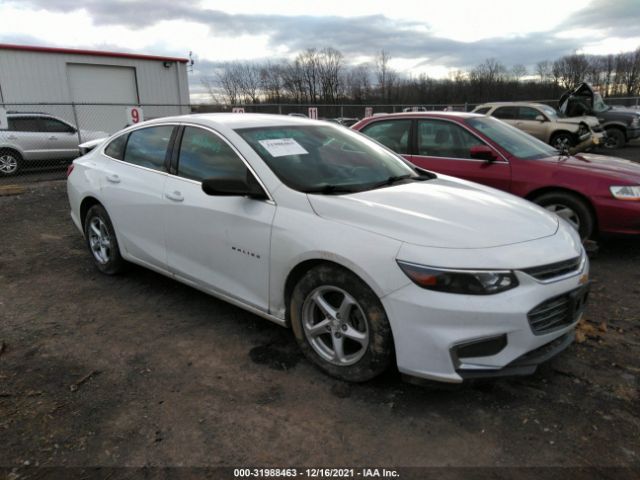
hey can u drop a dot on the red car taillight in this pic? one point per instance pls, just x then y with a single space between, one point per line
70 169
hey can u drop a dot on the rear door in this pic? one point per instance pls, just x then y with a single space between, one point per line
218 243
26 134
444 146
132 189
393 133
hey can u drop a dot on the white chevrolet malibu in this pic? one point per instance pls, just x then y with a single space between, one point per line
317 228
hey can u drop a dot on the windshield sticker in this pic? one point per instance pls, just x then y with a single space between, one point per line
282 147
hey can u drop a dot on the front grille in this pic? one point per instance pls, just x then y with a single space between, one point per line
554 313
559 311
553 270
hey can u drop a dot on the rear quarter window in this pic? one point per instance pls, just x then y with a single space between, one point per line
115 149
147 147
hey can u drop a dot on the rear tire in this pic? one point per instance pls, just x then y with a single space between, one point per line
10 162
572 208
615 138
102 242
340 324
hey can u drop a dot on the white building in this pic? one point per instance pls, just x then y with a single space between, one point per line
71 83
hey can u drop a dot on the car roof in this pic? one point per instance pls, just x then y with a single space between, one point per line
29 114
513 104
433 113
240 120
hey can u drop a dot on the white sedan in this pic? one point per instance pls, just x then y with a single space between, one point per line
323 230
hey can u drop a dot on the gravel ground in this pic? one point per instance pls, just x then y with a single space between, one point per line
140 370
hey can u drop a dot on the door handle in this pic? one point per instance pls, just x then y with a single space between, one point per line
53 137
176 196
113 178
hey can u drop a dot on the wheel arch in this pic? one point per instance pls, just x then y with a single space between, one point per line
13 149
531 196
299 270
85 205
616 126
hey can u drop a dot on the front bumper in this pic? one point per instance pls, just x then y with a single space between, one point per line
633 133
620 217
428 327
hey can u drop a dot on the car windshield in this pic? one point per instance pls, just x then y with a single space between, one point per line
326 159
598 104
511 139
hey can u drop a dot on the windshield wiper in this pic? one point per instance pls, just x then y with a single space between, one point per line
330 189
397 178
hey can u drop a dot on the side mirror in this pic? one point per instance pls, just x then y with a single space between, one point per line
540 118
483 152
233 187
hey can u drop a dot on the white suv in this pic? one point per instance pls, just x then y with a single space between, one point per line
39 137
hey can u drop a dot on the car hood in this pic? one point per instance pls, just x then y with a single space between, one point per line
603 164
444 212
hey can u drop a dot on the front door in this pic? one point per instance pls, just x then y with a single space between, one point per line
444 146
218 243
61 138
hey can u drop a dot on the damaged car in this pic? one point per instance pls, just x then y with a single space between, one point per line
621 124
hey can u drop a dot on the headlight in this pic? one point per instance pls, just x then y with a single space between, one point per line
626 192
469 282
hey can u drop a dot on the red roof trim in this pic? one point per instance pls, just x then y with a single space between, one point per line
96 53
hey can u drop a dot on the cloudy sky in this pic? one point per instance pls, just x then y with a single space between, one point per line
431 36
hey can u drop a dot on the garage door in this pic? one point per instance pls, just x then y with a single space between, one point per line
102 84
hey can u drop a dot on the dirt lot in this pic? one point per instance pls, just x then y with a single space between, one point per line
141 370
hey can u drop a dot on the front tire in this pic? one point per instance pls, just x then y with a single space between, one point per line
340 324
10 162
571 208
102 242
562 141
615 138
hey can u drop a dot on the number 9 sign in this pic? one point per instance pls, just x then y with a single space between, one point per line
134 115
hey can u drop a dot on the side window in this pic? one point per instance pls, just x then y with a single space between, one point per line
205 155
24 124
482 110
147 147
393 134
115 149
51 125
505 113
528 113
444 139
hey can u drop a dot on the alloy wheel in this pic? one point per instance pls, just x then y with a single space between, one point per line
335 325
566 213
100 240
562 143
8 164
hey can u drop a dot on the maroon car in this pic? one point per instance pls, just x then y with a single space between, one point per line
595 193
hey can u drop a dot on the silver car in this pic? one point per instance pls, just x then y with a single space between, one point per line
33 137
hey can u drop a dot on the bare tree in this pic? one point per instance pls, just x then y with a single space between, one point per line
386 75
628 71
518 71
329 65
543 70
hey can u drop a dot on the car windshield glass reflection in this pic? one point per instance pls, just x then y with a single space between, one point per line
326 159
511 139
598 104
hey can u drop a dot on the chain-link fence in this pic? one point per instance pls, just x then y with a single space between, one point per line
38 141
